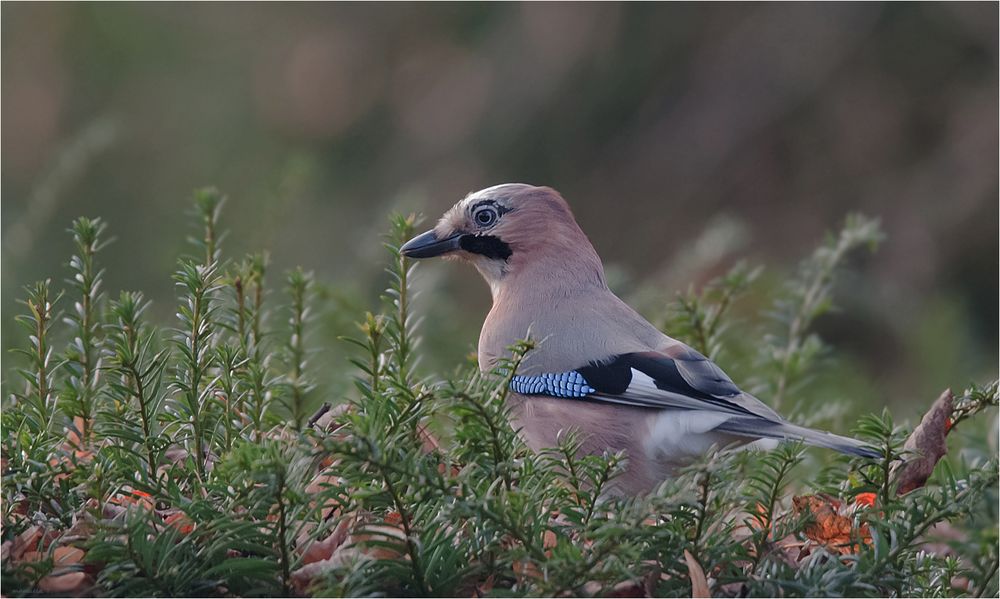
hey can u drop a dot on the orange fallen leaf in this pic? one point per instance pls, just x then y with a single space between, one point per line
180 521
127 497
66 556
760 520
827 526
865 499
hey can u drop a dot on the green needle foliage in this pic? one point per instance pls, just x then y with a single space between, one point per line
188 459
790 350
700 318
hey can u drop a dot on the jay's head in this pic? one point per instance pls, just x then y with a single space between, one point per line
511 229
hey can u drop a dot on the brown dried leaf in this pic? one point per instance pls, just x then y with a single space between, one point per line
652 577
628 589
327 421
176 454
348 550
323 549
525 570
83 522
302 578
67 582
322 482
428 441
67 556
549 539
926 445
26 540
376 540
699 584
788 550
485 587
73 432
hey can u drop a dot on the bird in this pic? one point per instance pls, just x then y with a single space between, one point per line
598 368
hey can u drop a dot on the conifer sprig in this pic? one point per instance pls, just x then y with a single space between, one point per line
790 351
84 354
194 340
297 384
135 390
39 397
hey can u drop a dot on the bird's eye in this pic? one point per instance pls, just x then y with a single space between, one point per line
485 216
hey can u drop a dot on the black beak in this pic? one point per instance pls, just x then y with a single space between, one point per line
427 245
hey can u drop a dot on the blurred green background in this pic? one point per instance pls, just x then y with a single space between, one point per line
684 136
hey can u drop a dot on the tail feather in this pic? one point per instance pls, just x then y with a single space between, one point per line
760 428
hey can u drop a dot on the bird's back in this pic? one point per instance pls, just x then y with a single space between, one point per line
567 327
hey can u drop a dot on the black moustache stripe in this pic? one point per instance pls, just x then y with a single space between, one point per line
487 245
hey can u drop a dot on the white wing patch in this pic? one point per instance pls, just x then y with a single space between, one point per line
642 383
643 388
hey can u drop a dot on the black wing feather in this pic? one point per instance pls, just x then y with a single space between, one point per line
685 373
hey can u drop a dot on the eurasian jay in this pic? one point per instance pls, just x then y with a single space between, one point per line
599 367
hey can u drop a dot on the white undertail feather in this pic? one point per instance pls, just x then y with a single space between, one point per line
683 434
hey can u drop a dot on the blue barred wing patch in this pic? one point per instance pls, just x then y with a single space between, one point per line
560 384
